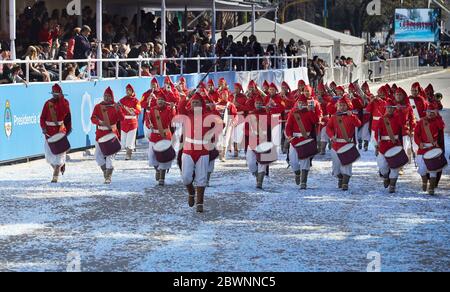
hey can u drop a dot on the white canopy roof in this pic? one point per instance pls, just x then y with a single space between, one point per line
264 32
321 31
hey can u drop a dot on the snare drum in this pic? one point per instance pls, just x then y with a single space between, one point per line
396 157
306 148
435 159
164 151
348 154
58 143
109 144
266 153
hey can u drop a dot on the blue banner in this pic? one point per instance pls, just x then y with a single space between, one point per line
21 106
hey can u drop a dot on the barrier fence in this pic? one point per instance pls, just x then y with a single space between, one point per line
376 71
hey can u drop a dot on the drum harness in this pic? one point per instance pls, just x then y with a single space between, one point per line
53 116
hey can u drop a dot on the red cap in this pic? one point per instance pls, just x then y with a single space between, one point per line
252 84
222 80
416 85
168 80
346 100
383 91
56 89
238 85
272 85
286 86
352 87
155 81
429 89
401 91
333 84
211 82
301 83
182 79
365 86
266 84
202 85
340 88
108 91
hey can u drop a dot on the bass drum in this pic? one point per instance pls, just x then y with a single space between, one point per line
435 159
266 153
348 154
396 157
306 148
164 151
58 143
109 144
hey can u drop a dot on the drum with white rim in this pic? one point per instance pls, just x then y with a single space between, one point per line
435 159
109 144
306 148
164 151
396 157
58 143
266 153
348 154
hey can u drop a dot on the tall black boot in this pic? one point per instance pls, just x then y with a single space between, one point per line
297 177
304 179
345 181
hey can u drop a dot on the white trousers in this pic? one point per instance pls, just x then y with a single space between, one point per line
324 136
363 133
53 159
295 163
407 144
422 168
128 140
384 168
253 164
152 159
238 133
375 143
200 168
102 159
337 167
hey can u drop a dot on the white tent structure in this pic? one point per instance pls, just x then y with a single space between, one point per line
266 30
344 44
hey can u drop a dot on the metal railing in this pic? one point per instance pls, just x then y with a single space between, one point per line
374 71
110 68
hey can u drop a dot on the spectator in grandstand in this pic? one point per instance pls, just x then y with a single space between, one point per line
37 70
83 48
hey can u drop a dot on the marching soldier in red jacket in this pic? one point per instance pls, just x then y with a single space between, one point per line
56 121
170 92
159 120
407 120
300 125
239 101
418 101
131 108
341 130
377 109
228 113
289 102
212 92
106 116
388 135
195 157
260 132
359 105
148 100
429 134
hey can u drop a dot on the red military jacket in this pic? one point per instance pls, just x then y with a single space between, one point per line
61 122
377 108
147 96
194 141
436 126
334 131
130 122
420 104
171 96
255 118
289 102
309 120
382 134
166 115
406 116
276 103
358 105
114 116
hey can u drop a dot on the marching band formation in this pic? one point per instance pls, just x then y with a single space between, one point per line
209 122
